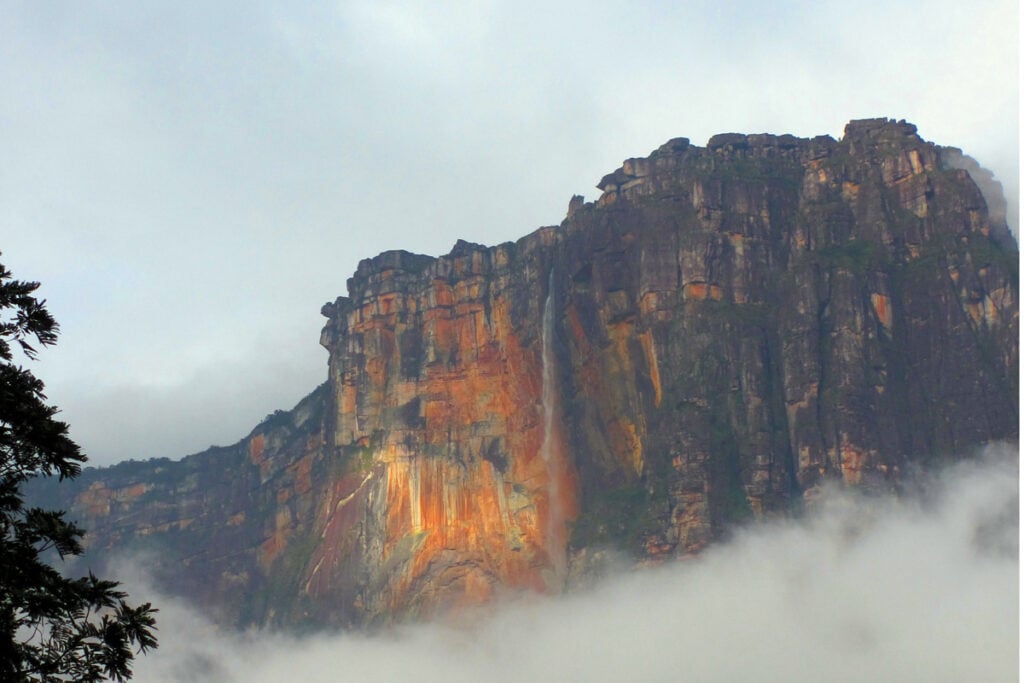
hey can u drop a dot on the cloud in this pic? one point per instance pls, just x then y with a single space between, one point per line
161 413
861 589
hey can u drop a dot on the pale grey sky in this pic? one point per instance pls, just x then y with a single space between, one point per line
191 182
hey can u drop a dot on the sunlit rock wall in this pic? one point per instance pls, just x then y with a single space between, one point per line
723 330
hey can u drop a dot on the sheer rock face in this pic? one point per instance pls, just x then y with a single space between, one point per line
723 330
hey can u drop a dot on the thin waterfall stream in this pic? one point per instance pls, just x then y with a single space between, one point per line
551 446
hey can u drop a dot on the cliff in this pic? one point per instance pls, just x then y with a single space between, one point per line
724 329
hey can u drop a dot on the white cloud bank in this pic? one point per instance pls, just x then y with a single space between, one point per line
860 590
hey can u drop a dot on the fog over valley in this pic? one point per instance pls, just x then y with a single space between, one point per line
922 588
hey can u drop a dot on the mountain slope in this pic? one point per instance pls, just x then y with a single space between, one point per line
723 330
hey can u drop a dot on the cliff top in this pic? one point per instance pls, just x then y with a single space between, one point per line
661 168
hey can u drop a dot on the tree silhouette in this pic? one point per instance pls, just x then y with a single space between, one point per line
52 628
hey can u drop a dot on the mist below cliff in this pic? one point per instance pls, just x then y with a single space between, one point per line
925 588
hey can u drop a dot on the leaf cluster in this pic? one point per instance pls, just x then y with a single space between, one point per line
52 628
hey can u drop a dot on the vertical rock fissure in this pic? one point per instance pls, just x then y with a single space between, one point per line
822 392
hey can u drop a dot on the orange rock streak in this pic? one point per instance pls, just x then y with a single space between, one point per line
468 500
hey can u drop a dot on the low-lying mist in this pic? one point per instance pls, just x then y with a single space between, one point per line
921 589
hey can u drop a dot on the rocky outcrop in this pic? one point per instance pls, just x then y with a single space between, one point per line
724 329
212 525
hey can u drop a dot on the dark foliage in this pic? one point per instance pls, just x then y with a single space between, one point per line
52 628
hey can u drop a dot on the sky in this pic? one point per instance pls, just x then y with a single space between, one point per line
191 181
861 590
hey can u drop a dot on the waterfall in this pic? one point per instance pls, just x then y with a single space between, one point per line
548 378
550 448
